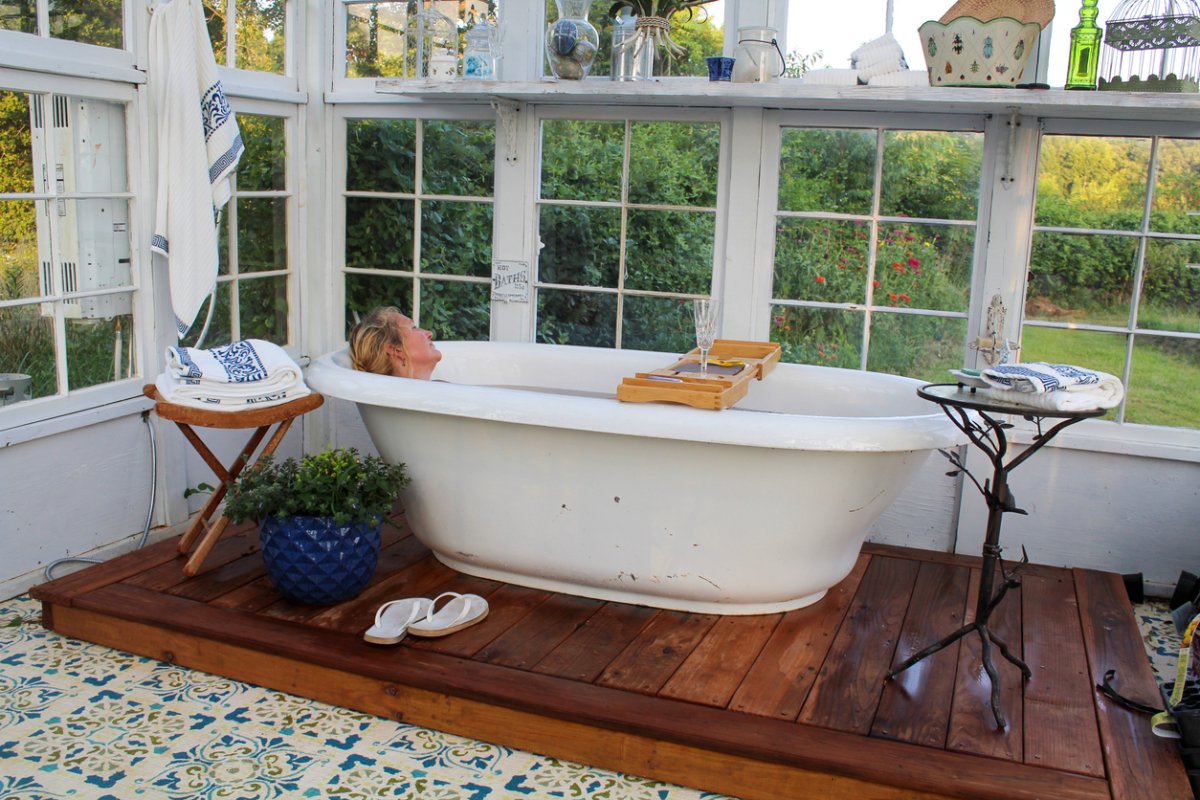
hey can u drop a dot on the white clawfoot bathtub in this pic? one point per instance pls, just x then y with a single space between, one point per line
526 469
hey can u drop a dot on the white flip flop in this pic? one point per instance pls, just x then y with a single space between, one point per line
462 611
393 619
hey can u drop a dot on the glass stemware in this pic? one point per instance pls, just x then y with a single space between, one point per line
704 314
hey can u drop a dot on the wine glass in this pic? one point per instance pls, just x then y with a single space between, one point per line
704 314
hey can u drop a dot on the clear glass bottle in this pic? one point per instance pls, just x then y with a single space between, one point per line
571 41
479 55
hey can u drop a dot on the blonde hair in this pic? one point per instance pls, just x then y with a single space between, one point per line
370 339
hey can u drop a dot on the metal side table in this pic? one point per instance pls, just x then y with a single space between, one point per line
972 414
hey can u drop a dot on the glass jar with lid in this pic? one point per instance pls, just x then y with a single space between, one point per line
480 54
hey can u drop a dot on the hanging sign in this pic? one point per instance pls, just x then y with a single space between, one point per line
510 281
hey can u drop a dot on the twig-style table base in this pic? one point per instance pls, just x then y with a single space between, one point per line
957 401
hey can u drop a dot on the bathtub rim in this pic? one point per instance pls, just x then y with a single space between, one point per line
331 375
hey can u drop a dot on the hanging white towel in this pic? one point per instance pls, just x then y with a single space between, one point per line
198 150
241 374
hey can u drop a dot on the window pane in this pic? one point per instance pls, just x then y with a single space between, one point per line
456 238
581 245
582 318
823 260
214 15
21 17
260 35
379 233
1165 382
456 310
931 174
220 330
375 40
381 155
262 166
827 170
367 292
262 234
16 156
1176 207
459 158
581 160
1080 278
826 337
27 346
670 251
20 275
1170 298
916 345
99 348
657 323
924 266
224 223
672 163
1092 349
263 309
1092 182
89 21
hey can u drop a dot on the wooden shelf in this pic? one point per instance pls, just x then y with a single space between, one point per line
795 94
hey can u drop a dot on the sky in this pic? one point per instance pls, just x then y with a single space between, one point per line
822 25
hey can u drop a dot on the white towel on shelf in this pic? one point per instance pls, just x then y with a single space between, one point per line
832 77
1053 387
198 150
877 57
252 372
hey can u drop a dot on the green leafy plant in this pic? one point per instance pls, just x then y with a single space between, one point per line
337 483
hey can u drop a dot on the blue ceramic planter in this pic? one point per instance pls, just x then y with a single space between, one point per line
315 561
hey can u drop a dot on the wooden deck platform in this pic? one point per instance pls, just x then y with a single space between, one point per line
777 706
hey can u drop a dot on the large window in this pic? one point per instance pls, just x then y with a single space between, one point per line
1114 273
66 286
627 225
98 22
249 34
418 205
874 243
253 244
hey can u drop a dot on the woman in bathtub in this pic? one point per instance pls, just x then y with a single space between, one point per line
389 343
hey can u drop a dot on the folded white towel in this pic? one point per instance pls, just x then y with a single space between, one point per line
832 77
877 57
1053 387
234 397
250 360
908 77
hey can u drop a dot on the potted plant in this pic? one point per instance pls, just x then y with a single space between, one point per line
319 519
653 26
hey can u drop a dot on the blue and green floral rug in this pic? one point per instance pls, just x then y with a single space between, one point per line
82 721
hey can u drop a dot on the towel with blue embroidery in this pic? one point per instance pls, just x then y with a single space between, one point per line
1053 387
248 373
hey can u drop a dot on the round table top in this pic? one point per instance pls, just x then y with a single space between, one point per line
960 396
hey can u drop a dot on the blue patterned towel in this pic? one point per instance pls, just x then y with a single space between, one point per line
1039 377
1053 387
249 372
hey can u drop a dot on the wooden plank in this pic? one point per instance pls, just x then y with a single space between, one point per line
543 629
779 681
586 652
62 590
952 559
279 654
915 705
257 594
1138 765
847 689
226 576
972 724
712 672
1060 720
651 659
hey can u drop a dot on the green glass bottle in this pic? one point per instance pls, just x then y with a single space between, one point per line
1085 49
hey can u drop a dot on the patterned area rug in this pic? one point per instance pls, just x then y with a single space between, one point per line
1161 638
82 721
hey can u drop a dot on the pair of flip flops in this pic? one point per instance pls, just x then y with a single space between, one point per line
421 616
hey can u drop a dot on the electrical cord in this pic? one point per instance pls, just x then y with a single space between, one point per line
149 511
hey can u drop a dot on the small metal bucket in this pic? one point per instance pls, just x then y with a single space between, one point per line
15 387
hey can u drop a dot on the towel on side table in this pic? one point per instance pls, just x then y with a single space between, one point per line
1053 387
246 373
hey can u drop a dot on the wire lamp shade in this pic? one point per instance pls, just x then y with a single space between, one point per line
1152 46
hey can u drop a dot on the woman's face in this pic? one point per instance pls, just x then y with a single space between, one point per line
419 355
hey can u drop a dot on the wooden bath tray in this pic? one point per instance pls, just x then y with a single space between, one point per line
725 384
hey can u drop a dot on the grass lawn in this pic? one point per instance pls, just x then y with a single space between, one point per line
1164 387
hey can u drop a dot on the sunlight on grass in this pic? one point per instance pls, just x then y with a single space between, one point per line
1165 385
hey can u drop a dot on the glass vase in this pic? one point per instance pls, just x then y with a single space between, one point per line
571 41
